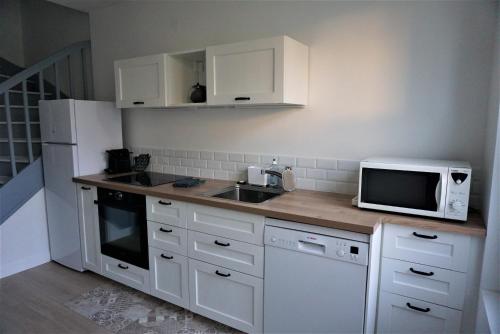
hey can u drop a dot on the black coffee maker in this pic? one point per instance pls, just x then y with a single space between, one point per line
118 161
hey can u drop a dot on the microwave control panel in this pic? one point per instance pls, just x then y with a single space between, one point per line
457 197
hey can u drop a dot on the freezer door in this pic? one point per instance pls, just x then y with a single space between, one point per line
62 207
57 121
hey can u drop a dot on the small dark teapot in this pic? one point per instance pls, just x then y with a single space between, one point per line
199 93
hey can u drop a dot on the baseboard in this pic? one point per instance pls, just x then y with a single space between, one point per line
8 269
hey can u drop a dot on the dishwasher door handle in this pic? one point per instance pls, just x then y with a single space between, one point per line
312 247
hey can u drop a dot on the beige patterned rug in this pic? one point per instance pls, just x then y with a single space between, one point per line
123 310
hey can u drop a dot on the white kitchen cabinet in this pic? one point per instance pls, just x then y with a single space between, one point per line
399 314
167 237
126 273
88 218
227 296
169 276
166 211
141 82
265 71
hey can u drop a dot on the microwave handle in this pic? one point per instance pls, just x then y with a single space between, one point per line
437 193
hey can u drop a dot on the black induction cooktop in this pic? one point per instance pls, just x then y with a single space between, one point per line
146 179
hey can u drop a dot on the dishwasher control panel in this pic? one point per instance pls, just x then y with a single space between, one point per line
317 244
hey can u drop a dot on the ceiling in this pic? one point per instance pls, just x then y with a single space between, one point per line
85 5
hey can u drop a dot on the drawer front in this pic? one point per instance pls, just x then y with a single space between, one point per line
226 296
125 273
167 237
398 314
226 223
236 255
433 248
435 285
166 211
169 276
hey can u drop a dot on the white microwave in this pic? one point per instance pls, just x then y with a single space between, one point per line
433 188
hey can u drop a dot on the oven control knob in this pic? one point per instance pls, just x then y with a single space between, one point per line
273 239
340 253
118 195
457 205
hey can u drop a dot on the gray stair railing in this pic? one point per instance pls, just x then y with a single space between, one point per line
53 63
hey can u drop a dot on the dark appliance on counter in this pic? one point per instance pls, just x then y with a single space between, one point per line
146 179
123 227
118 161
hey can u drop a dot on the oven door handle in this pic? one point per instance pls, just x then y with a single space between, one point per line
119 207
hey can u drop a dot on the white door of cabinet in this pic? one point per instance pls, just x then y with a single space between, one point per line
398 314
88 217
169 276
227 296
264 71
141 82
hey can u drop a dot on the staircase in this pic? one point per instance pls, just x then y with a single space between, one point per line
65 74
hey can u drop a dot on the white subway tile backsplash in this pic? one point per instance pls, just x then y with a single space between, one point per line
316 173
180 170
226 165
326 163
207 155
212 164
242 167
193 154
168 153
306 162
168 169
207 173
186 162
174 161
342 175
325 186
351 165
195 172
200 163
236 157
252 158
286 161
221 156
346 188
305 183
221 174
180 154
266 159
157 168
299 171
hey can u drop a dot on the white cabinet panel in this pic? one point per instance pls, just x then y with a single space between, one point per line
398 314
167 237
240 256
435 285
126 273
226 296
264 71
141 82
88 217
169 276
166 211
434 248
226 223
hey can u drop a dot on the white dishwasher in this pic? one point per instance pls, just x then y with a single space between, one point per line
313 283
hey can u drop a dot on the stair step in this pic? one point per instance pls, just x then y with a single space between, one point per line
4 179
19 159
17 106
19 123
21 140
15 91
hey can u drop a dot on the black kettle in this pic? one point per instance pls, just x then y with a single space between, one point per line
199 93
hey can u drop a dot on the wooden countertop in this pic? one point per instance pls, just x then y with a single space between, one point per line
303 206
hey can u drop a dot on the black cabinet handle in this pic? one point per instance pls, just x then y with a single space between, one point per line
221 244
138 102
165 203
164 230
166 257
96 202
425 310
421 272
242 98
85 188
423 236
122 266
221 274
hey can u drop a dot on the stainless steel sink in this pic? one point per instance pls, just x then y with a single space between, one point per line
246 193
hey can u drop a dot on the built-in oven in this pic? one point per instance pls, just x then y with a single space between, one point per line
123 227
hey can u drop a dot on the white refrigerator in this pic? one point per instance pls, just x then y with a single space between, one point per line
75 136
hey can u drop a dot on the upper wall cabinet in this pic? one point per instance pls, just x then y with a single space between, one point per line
141 82
264 71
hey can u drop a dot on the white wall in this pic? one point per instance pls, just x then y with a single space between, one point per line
11 32
406 78
24 241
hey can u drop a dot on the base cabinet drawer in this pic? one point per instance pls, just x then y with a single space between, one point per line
125 273
228 253
398 314
429 247
167 237
230 224
166 211
169 276
435 285
227 296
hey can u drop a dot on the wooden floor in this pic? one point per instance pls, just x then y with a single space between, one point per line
33 301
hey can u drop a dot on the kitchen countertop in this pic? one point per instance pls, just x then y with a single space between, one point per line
303 206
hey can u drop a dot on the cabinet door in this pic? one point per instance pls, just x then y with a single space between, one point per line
141 82
88 217
226 296
169 276
398 314
246 72
166 211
